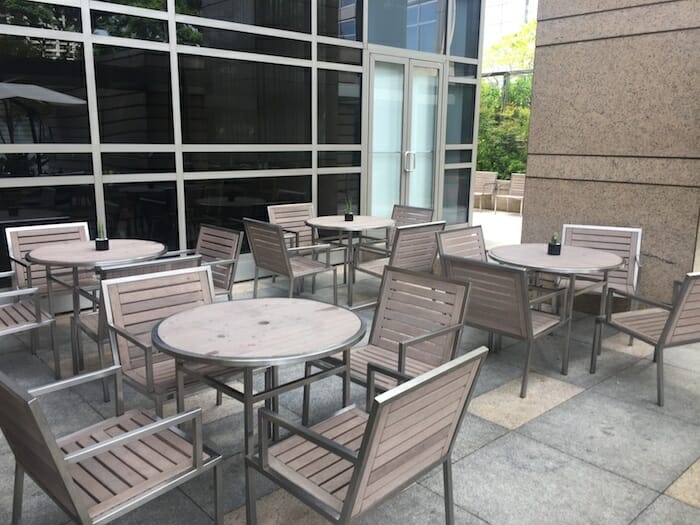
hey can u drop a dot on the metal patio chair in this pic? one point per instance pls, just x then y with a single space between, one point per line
352 462
104 471
292 218
662 325
402 216
484 185
516 192
462 242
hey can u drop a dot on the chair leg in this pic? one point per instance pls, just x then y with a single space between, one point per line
34 337
218 500
291 287
54 349
250 510
659 352
101 364
18 494
526 371
449 499
159 407
490 341
255 282
307 396
595 349
565 354
335 286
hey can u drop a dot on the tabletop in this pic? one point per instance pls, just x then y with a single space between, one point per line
84 254
258 332
359 222
573 259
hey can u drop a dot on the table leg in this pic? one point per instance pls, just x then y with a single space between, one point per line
570 313
248 411
180 389
75 333
346 378
351 267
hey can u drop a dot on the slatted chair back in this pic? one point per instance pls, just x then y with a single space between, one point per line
268 246
142 268
415 246
683 325
220 244
412 304
625 242
34 446
405 215
23 239
292 218
484 182
410 430
517 185
139 302
498 300
462 242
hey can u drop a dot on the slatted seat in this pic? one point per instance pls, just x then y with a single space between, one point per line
516 192
661 325
99 473
133 306
462 242
484 185
350 463
416 328
499 303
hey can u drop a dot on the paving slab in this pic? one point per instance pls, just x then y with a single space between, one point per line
474 434
668 511
687 487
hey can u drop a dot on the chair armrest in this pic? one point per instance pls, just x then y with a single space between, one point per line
128 336
187 251
265 415
57 386
488 187
147 430
403 345
296 236
612 292
362 306
546 297
677 285
220 262
20 292
21 262
7 274
315 247
372 249
373 369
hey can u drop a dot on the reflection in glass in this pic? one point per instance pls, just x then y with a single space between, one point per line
142 210
125 26
42 83
340 18
408 24
460 113
458 156
456 197
264 160
424 98
293 15
465 41
44 164
337 159
38 14
334 191
240 102
339 107
133 95
113 163
148 4
458 69
339 54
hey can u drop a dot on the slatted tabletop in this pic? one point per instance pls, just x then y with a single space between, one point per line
258 332
84 255
573 259
358 224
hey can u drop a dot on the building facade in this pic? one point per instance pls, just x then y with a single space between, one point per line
158 115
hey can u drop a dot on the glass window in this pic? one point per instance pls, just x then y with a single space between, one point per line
192 35
43 88
339 107
458 156
148 4
340 54
455 202
138 163
465 41
44 164
334 191
462 70
142 210
337 159
220 161
133 95
239 102
125 26
292 15
460 113
340 18
36 14
409 24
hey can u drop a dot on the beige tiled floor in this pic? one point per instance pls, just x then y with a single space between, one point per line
620 343
687 487
278 508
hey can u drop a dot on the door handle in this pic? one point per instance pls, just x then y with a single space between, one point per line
409 161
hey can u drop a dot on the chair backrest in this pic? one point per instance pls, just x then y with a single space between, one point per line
138 302
485 181
219 244
268 246
498 300
405 215
462 242
34 446
23 239
625 242
683 325
142 268
517 185
412 304
410 430
415 246
293 217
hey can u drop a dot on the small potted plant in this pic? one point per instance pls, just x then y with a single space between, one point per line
349 216
554 246
101 242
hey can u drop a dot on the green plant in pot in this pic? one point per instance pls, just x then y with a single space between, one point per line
554 246
349 214
101 242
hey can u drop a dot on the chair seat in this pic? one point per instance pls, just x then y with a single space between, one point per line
164 377
302 266
319 472
646 325
111 479
374 267
18 316
543 321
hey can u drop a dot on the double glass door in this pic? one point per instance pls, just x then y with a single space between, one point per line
403 133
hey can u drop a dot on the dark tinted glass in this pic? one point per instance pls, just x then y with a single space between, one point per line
112 24
148 4
458 156
44 98
462 70
456 197
339 107
35 14
44 164
226 202
334 191
340 18
340 54
336 159
417 25
142 210
247 161
293 15
138 163
237 41
239 102
460 113
133 95
465 42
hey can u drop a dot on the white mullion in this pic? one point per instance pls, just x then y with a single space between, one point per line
463 80
121 9
45 148
339 147
129 42
33 182
340 42
139 177
464 60
241 55
137 148
246 174
45 34
241 28
314 107
247 148
340 170
338 66
450 147
68 3
477 104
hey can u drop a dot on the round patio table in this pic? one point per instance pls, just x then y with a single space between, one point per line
359 223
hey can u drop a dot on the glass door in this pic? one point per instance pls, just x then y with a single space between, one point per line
403 133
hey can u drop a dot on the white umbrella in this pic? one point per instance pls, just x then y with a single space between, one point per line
38 93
